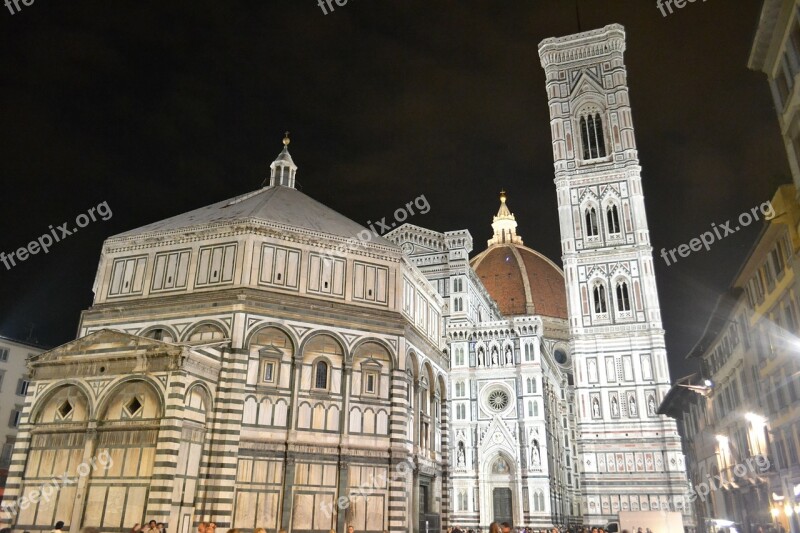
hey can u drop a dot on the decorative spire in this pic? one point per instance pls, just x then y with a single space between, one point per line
504 225
283 169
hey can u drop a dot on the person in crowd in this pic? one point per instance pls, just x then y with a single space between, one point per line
260 530
58 527
350 529
505 527
494 527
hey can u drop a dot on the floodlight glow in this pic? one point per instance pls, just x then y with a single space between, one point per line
755 419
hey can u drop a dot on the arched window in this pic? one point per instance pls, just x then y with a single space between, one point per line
599 295
206 332
321 375
459 356
612 217
528 352
623 298
594 143
530 408
591 222
535 408
159 334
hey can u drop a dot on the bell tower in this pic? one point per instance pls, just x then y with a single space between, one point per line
630 457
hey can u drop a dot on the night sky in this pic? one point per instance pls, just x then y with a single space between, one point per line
161 107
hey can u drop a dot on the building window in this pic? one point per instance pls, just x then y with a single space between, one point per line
16 416
599 296
528 352
3 355
22 387
159 334
461 411
612 217
269 370
782 85
460 389
5 458
594 144
591 222
458 285
531 385
459 356
321 375
371 382
623 298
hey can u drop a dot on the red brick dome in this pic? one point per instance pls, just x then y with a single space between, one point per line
522 281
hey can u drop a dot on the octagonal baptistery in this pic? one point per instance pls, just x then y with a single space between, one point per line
521 280
248 363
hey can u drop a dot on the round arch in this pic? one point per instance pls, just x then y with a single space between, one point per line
105 400
385 345
51 391
207 322
335 336
255 330
169 329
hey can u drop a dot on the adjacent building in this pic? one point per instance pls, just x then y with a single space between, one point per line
14 383
776 53
740 416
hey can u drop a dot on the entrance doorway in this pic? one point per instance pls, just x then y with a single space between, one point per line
501 498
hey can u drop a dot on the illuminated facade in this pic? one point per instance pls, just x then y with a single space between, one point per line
259 362
630 456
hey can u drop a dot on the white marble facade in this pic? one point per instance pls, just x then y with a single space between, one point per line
259 363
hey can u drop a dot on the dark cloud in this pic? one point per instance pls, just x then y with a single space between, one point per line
158 108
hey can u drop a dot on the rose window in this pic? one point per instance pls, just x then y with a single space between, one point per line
498 400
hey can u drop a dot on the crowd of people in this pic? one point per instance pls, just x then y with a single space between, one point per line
505 527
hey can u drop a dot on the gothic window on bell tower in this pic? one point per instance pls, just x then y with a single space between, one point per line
612 219
623 297
592 137
590 216
599 298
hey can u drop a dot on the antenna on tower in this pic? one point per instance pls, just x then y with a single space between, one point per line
578 14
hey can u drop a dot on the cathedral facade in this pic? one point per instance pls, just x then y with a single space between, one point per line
246 364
